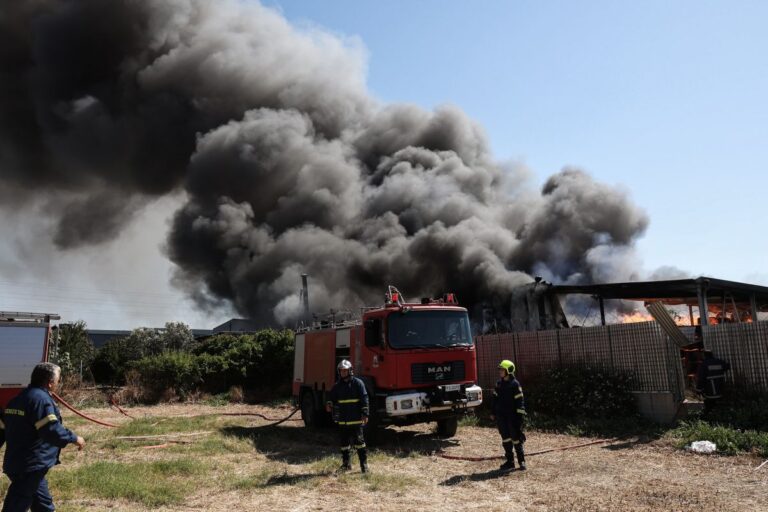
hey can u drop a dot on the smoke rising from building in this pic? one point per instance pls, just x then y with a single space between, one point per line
288 163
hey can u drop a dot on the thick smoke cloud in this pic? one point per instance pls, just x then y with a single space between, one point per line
289 165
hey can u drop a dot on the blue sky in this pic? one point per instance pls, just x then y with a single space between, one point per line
665 99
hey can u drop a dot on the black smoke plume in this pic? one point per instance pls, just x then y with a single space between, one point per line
289 165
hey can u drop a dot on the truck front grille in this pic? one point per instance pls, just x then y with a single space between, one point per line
422 373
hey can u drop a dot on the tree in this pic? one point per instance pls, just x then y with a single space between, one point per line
74 349
176 336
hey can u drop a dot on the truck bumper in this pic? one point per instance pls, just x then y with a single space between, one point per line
422 402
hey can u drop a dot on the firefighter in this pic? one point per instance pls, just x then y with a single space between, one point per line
710 380
348 400
34 435
508 409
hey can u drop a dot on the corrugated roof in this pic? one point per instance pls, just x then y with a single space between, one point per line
672 292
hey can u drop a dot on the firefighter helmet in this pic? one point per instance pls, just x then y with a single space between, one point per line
344 365
508 365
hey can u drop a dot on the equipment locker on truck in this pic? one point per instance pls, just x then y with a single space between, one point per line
23 343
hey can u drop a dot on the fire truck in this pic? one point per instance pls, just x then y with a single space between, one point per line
417 361
24 340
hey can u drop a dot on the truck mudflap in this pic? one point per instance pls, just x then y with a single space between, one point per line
441 398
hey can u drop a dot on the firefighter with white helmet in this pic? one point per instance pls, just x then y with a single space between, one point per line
509 412
348 400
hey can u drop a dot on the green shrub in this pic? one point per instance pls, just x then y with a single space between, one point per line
116 357
219 363
729 441
263 359
581 392
179 371
113 360
741 407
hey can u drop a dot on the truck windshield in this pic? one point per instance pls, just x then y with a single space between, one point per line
428 329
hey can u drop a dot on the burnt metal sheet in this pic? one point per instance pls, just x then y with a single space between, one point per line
659 313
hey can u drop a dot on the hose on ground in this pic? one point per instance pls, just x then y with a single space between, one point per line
444 455
276 421
82 415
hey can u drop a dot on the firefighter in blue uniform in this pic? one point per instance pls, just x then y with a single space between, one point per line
34 435
508 410
348 401
710 380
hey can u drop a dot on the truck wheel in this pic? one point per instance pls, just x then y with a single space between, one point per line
447 427
308 413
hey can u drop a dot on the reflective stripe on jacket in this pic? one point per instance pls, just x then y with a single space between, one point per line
34 434
710 378
508 398
350 399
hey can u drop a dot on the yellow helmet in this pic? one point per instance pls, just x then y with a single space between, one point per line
508 365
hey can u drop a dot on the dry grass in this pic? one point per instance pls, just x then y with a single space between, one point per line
244 465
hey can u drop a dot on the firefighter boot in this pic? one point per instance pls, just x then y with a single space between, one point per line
520 455
362 454
345 465
509 464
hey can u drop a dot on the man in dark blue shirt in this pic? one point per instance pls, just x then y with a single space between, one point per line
34 435
348 400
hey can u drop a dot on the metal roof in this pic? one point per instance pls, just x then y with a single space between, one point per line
674 292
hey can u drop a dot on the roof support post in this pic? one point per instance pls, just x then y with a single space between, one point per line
602 310
722 312
735 310
690 314
703 307
753 307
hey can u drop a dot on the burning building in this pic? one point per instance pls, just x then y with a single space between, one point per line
661 356
537 306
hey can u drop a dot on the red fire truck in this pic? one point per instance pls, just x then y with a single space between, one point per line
24 341
417 361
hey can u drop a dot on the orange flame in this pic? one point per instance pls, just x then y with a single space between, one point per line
635 317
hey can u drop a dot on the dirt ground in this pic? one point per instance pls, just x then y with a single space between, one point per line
289 468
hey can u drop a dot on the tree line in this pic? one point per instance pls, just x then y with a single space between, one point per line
172 359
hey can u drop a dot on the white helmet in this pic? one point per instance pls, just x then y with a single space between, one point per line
344 365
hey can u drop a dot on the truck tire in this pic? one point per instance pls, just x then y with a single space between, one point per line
308 412
447 427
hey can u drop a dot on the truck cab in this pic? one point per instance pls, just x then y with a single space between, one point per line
417 360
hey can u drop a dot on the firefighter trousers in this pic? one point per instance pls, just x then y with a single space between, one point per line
351 436
512 435
28 491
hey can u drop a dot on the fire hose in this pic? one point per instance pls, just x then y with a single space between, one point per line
444 455
278 421
120 409
82 415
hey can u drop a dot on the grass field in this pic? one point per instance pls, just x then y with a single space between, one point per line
206 459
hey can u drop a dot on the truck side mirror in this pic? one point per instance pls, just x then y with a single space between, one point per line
372 332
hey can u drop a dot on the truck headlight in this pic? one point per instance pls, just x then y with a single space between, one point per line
406 404
474 396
